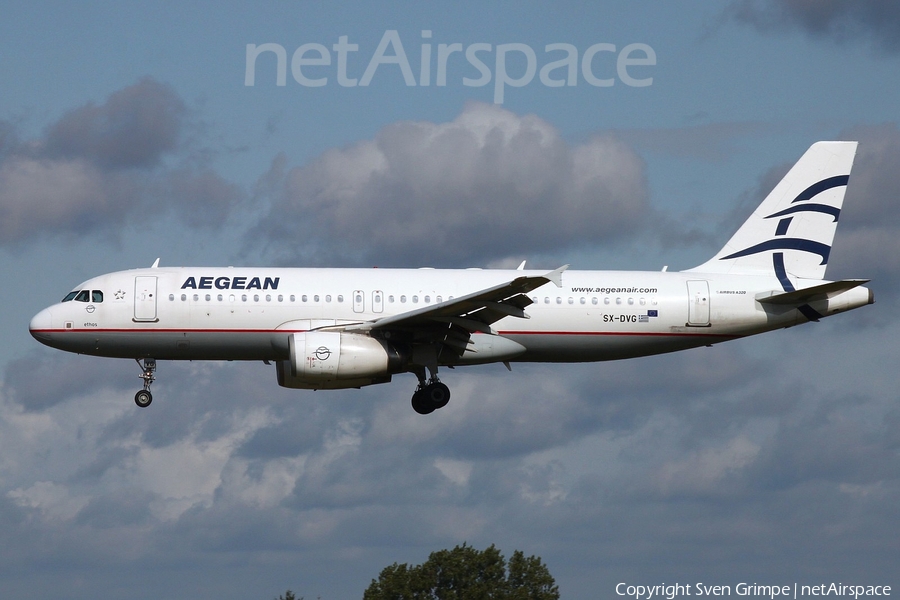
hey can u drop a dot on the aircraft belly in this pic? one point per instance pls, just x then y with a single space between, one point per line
172 345
587 347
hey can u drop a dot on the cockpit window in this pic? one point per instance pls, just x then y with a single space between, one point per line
83 296
70 296
96 296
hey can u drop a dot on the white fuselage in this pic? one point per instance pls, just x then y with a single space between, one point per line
249 313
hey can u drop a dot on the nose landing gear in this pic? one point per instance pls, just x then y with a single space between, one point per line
143 397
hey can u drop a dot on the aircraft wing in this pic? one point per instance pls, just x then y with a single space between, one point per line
452 321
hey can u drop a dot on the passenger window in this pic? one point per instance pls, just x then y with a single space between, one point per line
571 300
83 296
171 297
303 298
96 296
184 297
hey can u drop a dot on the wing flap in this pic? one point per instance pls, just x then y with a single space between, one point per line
508 308
470 325
811 294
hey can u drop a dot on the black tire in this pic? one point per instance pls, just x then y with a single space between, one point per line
421 404
143 398
438 395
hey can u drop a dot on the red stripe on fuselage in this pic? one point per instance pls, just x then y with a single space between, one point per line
220 330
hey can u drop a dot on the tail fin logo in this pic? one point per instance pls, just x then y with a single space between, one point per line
789 243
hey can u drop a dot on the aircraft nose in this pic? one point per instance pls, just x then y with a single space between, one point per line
40 325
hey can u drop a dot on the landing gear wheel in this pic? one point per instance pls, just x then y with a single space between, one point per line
143 398
421 404
438 395
431 397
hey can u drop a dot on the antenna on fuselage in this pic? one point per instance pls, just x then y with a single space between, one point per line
155 264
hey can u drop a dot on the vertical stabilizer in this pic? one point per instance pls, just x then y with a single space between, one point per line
791 232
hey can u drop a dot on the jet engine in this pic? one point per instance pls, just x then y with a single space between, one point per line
335 360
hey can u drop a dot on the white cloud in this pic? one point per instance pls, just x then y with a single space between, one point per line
457 471
99 164
44 194
702 470
53 500
484 186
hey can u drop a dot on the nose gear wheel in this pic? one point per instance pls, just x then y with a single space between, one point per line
143 397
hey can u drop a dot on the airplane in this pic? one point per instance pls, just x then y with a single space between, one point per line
349 328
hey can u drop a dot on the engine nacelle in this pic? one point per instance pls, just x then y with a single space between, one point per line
334 360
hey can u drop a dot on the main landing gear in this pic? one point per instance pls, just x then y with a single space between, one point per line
143 398
430 395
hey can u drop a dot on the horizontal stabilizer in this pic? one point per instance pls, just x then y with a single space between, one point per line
811 294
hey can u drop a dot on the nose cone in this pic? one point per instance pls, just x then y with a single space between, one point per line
41 325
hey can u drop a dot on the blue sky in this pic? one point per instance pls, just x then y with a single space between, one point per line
127 133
